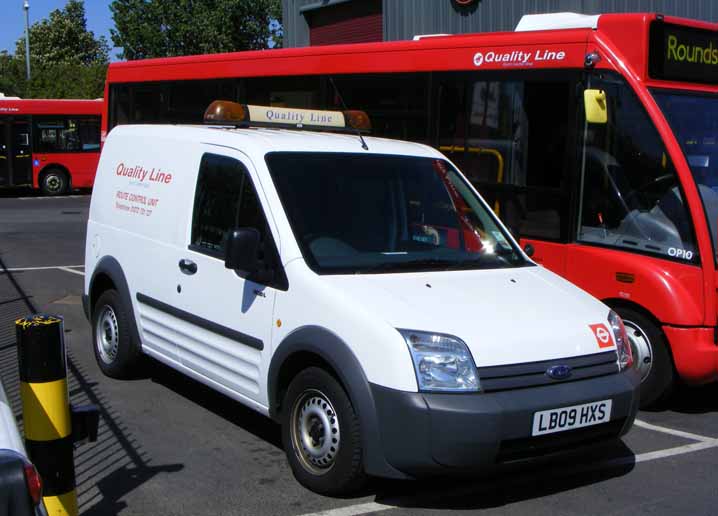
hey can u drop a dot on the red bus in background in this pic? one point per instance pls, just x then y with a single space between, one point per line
595 138
53 145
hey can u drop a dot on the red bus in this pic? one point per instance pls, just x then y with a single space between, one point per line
53 145
626 207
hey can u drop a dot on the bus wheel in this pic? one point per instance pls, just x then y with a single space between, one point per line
321 435
54 182
115 350
651 357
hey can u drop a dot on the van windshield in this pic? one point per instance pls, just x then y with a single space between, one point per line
361 213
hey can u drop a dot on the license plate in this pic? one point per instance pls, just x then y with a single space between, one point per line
568 418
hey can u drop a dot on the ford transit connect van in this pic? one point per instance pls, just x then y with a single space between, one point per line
357 290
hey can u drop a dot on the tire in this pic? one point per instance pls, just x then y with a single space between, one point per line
651 357
116 352
316 409
54 182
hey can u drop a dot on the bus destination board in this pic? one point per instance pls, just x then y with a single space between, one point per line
680 53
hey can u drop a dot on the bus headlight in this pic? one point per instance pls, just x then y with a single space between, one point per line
623 345
442 363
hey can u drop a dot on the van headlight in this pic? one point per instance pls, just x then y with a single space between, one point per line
442 363
623 345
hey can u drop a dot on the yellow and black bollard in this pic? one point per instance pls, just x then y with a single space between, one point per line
46 409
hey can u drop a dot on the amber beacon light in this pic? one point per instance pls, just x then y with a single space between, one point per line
226 112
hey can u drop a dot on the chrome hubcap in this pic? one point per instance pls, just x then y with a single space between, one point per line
315 431
641 348
53 183
108 337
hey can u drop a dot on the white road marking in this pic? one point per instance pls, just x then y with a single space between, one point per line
67 269
703 443
671 431
678 450
354 510
62 267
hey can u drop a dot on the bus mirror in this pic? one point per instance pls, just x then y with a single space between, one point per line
596 107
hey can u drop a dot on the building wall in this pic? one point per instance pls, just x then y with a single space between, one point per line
403 19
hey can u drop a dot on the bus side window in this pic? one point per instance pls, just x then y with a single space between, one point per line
147 103
396 103
188 100
66 134
296 92
119 105
509 138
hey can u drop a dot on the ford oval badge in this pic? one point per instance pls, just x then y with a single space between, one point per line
559 372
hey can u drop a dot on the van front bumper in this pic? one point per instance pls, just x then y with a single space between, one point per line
425 433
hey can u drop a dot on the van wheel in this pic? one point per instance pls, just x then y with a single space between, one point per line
321 434
651 357
54 182
115 350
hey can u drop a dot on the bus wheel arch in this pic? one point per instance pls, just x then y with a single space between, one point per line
54 179
653 357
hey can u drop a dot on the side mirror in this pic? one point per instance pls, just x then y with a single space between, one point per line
242 251
529 250
596 107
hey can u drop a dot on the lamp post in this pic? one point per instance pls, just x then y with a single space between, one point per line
26 6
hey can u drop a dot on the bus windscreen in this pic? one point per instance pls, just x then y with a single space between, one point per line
685 54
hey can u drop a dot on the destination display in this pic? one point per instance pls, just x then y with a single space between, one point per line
679 53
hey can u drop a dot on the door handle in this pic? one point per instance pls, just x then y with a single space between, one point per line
187 266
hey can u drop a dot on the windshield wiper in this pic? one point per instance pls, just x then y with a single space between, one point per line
409 264
480 261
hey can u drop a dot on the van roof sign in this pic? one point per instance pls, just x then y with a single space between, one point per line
224 112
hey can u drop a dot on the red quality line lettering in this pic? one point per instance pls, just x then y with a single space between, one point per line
140 173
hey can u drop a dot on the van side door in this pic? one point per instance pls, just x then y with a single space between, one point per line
228 319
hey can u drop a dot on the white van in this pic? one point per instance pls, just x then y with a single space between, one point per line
359 291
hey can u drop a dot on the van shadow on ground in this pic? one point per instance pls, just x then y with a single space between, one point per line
510 484
106 470
693 400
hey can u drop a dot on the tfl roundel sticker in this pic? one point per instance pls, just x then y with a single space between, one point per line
603 336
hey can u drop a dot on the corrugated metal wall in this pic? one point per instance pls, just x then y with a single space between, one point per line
296 31
405 18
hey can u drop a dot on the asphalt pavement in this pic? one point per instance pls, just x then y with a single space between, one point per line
169 445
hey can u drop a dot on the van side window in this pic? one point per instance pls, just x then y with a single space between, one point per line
226 199
219 188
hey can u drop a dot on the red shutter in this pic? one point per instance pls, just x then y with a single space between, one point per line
349 22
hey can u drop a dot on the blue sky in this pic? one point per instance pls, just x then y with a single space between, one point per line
12 19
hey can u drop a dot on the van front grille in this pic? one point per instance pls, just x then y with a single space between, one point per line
534 374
